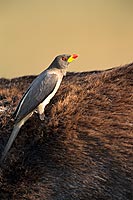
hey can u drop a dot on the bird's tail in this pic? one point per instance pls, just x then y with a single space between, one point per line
10 141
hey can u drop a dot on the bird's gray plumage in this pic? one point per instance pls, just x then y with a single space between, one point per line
44 84
38 95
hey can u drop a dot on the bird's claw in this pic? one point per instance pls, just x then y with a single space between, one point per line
42 116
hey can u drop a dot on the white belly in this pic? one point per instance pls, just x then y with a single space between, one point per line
47 100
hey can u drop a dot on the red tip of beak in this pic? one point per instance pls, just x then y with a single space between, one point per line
75 56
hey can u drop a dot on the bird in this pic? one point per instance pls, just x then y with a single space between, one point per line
38 95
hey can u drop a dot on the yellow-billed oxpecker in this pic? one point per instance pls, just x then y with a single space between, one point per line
38 95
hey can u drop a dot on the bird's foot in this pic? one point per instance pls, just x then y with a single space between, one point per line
42 116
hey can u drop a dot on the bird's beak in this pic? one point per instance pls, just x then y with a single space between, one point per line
72 57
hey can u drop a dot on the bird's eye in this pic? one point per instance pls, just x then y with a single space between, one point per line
64 58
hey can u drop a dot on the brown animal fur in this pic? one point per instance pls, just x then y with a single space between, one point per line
83 149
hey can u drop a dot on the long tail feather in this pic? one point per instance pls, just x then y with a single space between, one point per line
11 140
13 135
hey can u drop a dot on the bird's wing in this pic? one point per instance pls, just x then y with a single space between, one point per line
39 90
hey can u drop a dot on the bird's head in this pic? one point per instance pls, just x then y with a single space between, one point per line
62 61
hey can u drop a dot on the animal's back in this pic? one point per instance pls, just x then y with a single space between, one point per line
83 149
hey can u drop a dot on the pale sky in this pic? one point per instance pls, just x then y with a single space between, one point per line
33 32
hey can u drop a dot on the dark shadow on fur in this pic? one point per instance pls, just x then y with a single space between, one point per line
82 150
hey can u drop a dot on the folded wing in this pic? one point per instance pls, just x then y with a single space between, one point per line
38 91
